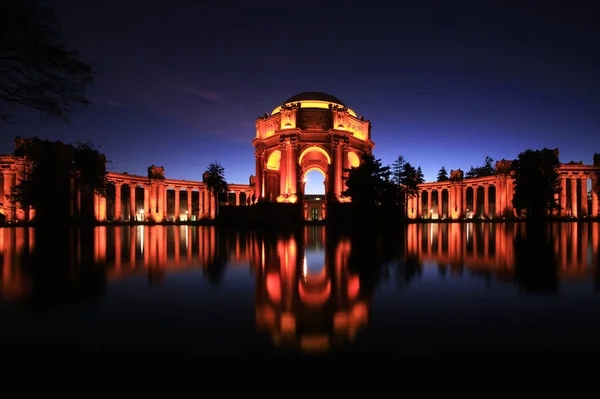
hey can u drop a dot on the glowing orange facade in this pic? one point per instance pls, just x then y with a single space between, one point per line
310 131
491 196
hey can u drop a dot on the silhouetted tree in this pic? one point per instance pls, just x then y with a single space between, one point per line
536 182
53 174
487 169
37 71
367 183
214 177
398 169
442 174
409 181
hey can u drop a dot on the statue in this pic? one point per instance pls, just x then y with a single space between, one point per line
156 172
503 167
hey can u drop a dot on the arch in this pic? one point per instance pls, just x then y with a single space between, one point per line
353 159
314 167
274 160
317 149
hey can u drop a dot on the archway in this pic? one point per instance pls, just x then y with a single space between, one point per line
314 182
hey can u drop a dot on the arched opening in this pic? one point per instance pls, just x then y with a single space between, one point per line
314 182
314 150
353 159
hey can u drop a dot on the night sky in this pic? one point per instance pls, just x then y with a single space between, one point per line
180 83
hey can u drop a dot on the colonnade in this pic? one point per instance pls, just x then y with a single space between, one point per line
155 199
491 196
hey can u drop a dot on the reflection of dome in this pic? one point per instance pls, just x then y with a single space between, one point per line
314 96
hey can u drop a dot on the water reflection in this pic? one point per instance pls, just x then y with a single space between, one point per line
307 301
569 250
313 290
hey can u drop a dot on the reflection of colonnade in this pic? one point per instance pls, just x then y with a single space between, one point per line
129 250
491 196
314 310
490 246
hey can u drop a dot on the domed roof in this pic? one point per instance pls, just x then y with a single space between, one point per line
314 96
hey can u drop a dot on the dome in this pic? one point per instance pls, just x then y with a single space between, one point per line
314 96
314 99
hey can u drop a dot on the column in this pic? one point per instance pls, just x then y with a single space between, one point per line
100 208
428 204
153 199
189 202
283 170
118 201
500 197
237 197
176 215
9 183
258 182
574 207
451 201
475 207
338 169
594 196
346 166
440 204
132 204
584 197
292 166
464 201
146 203
486 199
160 215
563 195
206 201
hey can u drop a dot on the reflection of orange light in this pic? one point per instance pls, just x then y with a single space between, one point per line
313 343
360 313
274 286
288 323
314 297
353 287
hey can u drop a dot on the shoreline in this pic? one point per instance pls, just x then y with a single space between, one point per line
266 224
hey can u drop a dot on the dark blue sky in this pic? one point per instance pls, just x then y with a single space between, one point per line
180 83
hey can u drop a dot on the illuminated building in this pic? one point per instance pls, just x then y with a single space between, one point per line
309 131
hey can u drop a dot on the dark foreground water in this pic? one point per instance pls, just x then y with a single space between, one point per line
432 300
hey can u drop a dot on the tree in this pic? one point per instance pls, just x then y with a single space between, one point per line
442 174
536 182
368 183
60 170
36 70
487 169
409 182
214 177
398 169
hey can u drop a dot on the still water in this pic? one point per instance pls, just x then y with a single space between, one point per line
429 289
